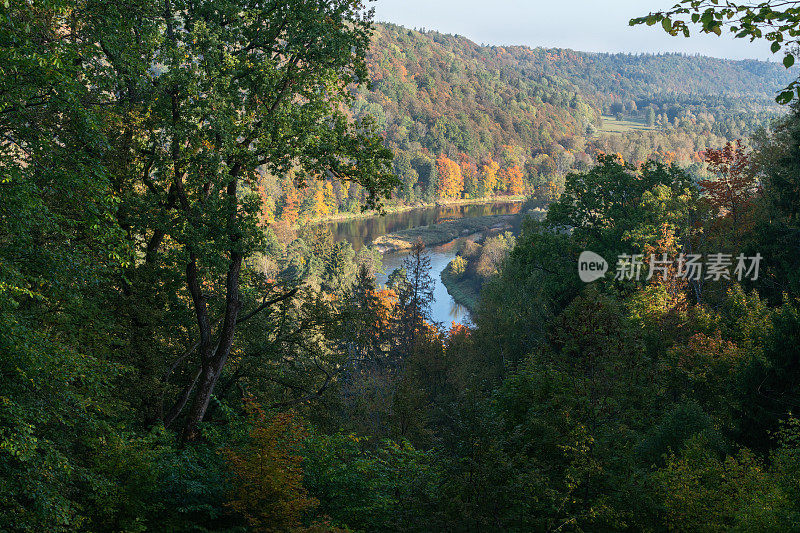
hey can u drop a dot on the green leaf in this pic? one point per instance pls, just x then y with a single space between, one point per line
785 97
775 47
788 61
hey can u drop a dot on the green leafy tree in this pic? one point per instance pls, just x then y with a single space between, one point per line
771 391
60 244
613 208
215 92
776 159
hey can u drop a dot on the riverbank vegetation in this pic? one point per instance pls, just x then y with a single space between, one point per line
474 265
175 356
387 210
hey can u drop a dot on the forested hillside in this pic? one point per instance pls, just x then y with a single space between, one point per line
467 121
532 97
445 94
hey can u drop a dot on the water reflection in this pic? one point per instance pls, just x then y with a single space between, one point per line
444 309
363 231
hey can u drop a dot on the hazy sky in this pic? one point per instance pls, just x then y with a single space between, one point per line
587 25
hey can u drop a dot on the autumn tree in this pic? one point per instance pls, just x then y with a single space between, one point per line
488 176
315 205
290 210
731 193
458 266
450 181
469 171
268 473
513 180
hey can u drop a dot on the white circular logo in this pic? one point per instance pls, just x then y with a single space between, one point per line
591 266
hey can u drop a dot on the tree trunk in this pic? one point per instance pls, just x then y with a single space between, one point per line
213 360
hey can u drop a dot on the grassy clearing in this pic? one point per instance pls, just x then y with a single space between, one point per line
462 290
612 125
441 233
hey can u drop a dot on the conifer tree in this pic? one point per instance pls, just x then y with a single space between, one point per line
415 295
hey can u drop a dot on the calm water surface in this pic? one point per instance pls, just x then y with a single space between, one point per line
361 232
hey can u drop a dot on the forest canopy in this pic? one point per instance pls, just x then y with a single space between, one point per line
183 349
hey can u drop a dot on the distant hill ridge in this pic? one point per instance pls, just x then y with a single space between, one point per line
595 72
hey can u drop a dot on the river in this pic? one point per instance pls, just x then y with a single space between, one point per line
360 232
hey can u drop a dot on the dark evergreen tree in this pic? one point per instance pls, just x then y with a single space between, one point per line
415 295
776 235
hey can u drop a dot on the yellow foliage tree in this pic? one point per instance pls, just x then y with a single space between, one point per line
268 474
450 180
489 179
318 206
331 201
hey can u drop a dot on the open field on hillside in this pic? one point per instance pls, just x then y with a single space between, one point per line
612 125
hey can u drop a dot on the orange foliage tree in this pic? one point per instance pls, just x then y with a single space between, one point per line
317 207
731 194
268 473
513 180
457 330
291 202
450 180
386 308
